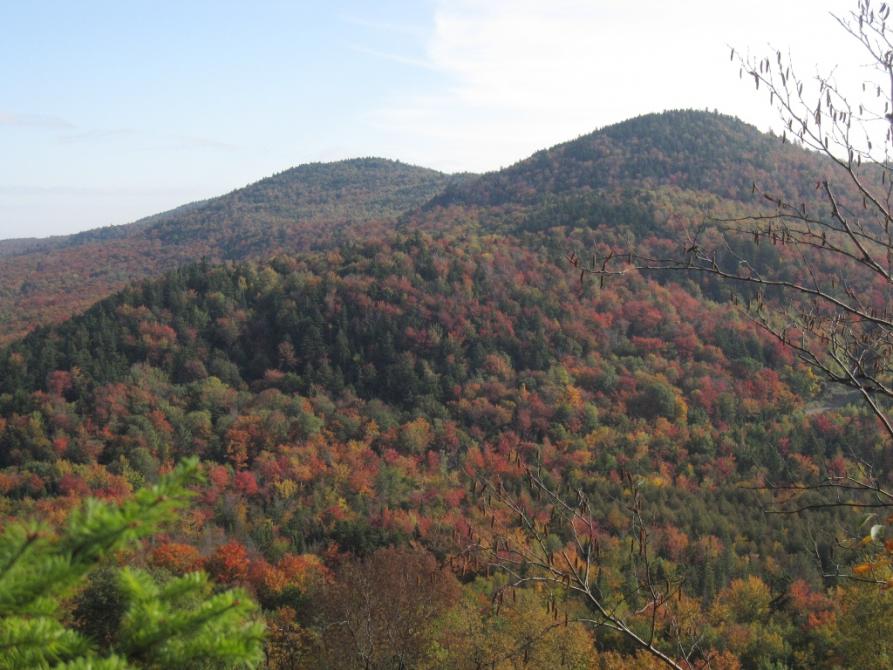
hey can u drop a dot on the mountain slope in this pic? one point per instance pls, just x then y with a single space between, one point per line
302 208
347 401
356 397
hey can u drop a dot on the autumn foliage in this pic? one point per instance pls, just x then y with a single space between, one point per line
346 404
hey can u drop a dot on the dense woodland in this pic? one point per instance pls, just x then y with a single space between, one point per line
350 406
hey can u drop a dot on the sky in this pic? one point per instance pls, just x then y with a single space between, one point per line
111 111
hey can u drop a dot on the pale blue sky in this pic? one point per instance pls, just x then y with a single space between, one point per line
110 111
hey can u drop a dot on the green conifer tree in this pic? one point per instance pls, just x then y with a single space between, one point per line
181 623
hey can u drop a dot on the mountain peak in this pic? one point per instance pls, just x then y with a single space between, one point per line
692 149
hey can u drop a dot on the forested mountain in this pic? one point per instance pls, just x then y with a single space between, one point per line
705 156
695 151
306 207
360 409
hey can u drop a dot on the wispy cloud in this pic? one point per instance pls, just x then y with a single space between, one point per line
394 57
517 75
68 133
405 29
144 140
194 142
513 76
28 190
98 135
38 121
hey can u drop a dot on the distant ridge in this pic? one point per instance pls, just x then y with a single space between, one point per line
608 173
304 207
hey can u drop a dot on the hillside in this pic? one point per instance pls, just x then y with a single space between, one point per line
348 400
305 207
363 401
